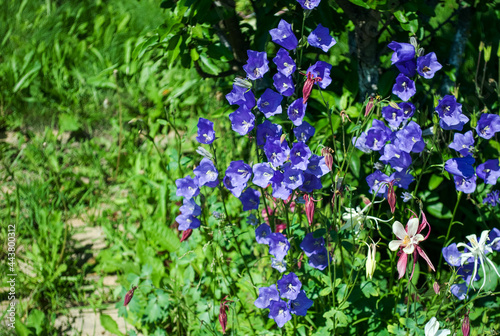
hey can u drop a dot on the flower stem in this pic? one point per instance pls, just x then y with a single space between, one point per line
448 234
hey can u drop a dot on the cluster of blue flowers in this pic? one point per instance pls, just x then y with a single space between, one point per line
468 271
403 136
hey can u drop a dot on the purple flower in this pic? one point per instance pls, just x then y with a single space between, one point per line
495 233
360 143
493 198
262 174
292 178
488 125
235 189
452 255
284 63
263 233
397 158
266 295
278 245
280 189
250 199
187 187
402 179
309 4
466 272
270 103
404 87
299 155
459 290
317 166
301 304
252 219
311 182
276 151
322 70
408 109
257 64
377 135
409 139
463 143
279 312
460 166
241 96
206 133
297 111
267 130
319 260
187 222
311 245
239 172
190 207
450 113
304 132
377 182
402 52
489 171
207 174
406 196
467 185
284 84
283 35
393 116
278 265
242 120
320 38
289 286
428 65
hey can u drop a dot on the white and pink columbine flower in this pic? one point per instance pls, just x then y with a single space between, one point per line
408 243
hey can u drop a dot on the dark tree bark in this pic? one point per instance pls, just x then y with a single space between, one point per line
364 45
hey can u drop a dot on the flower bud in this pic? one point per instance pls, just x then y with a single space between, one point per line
129 296
466 325
371 263
186 234
435 286
327 153
223 315
391 196
309 208
369 106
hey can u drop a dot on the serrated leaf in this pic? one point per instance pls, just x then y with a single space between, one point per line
368 289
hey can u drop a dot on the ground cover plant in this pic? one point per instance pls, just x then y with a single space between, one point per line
295 191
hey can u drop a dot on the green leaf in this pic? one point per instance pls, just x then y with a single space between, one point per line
368 288
325 291
438 210
36 320
68 122
109 324
435 181
355 165
209 64
399 15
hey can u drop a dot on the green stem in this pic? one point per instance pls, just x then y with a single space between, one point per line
448 234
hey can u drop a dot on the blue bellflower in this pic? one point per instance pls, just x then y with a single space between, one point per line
450 112
309 4
428 65
242 120
404 58
278 245
283 35
322 70
266 295
463 143
493 199
276 151
284 63
206 133
488 125
267 130
320 38
263 234
257 64
262 174
304 132
289 286
250 199
299 155
284 84
404 87
241 96
301 304
189 207
270 103
489 171
279 312
297 111
207 174
187 187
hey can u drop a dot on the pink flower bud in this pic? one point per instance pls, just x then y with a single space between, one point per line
309 208
435 286
299 263
369 107
129 296
466 325
391 196
186 234
327 153
308 86
223 315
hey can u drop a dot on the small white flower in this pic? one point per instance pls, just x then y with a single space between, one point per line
408 239
432 328
371 262
478 251
355 217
